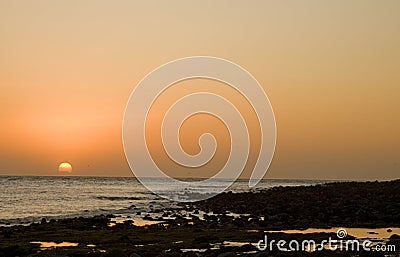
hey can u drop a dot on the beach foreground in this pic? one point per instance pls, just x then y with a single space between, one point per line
230 224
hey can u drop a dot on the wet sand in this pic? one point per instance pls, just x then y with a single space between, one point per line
226 225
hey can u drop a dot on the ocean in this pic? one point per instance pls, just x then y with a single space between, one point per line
27 199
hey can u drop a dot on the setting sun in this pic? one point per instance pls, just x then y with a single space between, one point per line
65 167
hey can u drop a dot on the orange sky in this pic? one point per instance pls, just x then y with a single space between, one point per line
330 69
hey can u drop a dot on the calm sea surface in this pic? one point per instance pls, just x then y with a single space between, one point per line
28 199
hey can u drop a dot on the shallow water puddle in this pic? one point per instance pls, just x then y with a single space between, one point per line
194 250
141 222
54 244
217 246
370 233
136 221
238 244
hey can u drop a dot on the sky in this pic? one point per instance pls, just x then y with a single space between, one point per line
330 70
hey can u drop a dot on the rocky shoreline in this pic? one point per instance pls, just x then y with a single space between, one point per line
229 224
338 204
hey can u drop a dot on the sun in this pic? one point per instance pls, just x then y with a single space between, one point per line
65 167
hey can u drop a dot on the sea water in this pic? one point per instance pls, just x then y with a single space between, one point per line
27 199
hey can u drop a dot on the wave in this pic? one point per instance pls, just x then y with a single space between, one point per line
119 198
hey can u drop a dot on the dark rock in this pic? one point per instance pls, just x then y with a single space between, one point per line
115 253
395 236
227 254
261 254
172 254
124 239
